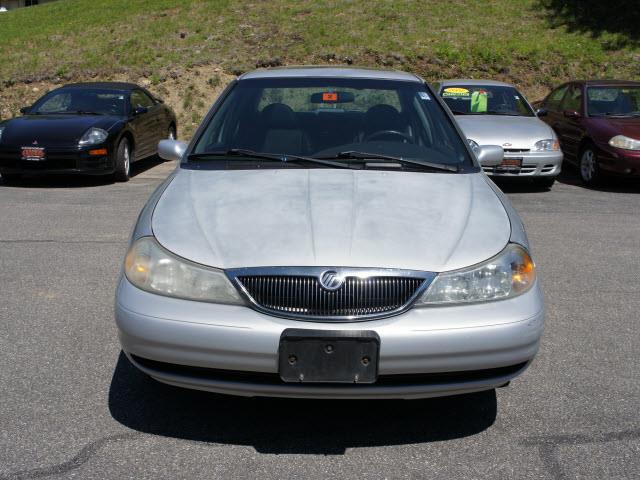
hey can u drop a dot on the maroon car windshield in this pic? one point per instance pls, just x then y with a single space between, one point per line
613 101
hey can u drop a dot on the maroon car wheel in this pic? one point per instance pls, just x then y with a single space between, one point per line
588 166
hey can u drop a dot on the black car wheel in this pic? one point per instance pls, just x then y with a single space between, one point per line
10 178
588 166
123 161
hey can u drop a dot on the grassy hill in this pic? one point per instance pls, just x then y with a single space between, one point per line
187 49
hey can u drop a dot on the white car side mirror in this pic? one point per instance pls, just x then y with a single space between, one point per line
171 149
490 155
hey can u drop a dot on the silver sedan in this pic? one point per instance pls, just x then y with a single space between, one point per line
329 233
496 113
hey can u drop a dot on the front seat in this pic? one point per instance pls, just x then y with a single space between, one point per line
282 134
382 117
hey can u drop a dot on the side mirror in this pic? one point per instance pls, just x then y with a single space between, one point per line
140 111
572 114
490 155
541 112
171 149
25 110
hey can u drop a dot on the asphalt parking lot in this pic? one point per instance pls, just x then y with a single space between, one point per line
71 406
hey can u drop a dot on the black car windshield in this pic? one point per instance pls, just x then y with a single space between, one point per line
81 100
485 100
332 118
623 101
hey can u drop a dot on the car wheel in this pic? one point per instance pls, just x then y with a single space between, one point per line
123 161
545 182
10 178
588 165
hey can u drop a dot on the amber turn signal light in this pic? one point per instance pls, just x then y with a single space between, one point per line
98 151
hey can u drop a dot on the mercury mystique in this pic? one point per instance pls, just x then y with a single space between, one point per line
328 232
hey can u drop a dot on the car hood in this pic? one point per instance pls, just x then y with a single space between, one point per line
52 130
605 128
520 132
327 217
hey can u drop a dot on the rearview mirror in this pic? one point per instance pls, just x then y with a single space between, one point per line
490 155
541 112
140 111
25 110
171 149
572 114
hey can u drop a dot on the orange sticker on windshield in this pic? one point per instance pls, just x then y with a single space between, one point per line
329 97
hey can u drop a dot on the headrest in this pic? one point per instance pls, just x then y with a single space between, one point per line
279 116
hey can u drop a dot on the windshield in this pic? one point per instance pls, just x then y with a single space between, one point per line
327 117
486 100
613 101
70 101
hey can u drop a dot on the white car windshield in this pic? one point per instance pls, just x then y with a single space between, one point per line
485 100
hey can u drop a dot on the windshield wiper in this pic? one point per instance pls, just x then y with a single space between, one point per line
354 155
273 157
494 112
71 112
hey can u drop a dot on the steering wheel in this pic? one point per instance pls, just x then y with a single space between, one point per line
387 133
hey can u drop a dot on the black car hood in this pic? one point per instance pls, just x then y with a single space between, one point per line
52 130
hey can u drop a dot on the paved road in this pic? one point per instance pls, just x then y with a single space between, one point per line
72 407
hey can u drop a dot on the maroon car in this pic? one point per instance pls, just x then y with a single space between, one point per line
598 125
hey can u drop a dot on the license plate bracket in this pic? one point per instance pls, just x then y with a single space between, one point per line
33 154
511 164
328 356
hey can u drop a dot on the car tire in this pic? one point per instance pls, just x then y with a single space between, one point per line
588 166
123 161
10 178
545 182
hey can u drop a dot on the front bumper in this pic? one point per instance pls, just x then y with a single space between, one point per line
618 162
237 347
534 164
67 160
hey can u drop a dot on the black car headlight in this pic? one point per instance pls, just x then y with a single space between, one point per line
93 136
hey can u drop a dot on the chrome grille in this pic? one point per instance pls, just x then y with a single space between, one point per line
360 296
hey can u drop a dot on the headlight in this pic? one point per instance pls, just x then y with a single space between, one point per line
508 274
93 136
549 144
150 267
475 148
625 143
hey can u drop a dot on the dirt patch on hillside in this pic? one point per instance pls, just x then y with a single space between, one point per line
189 91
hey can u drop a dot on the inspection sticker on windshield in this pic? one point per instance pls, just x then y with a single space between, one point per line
424 95
455 92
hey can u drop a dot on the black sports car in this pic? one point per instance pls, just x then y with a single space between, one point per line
88 128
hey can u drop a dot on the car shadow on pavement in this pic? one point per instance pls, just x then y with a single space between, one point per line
273 425
570 176
79 181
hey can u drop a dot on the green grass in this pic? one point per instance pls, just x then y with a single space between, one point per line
512 39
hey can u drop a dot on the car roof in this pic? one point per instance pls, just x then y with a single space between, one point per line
330 72
472 82
605 83
104 85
